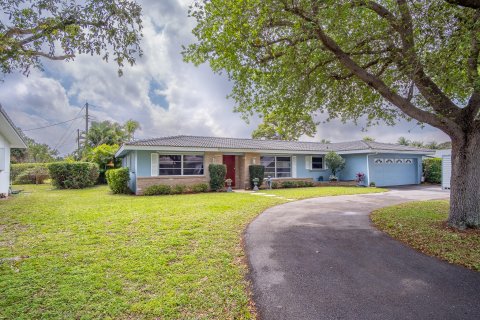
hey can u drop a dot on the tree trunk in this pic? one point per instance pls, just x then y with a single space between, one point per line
465 182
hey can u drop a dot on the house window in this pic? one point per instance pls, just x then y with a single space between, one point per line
317 163
180 165
277 167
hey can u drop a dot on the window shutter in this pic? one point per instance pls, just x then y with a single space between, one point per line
294 166
154 162
308 162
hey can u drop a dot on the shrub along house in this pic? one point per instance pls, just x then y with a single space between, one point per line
185 159
9 138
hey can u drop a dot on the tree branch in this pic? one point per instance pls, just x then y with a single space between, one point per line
50 56
474 4
447 125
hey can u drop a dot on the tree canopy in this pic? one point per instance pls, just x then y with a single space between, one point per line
110 133
355 59
61 29
35 152
326 56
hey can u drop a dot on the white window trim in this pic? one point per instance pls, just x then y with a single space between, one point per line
309 163
275 162
181 165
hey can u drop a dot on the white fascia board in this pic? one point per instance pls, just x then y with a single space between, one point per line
11 134
119 153
369 151
195 149
125 148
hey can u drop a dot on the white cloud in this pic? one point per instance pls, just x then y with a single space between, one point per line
166 95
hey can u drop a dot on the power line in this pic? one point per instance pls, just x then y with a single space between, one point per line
51 125
63 138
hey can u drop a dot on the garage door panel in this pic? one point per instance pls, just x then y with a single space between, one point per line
394 172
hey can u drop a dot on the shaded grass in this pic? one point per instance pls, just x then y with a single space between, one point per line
422 226
88 254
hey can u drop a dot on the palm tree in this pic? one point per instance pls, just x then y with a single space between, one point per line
105 132
403 141
130 127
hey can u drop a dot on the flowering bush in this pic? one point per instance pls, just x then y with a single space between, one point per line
360 177
333 178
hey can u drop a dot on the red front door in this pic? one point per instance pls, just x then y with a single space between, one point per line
229 161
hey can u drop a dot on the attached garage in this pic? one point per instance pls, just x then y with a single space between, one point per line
395 169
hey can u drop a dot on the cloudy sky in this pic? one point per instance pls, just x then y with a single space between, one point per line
166 95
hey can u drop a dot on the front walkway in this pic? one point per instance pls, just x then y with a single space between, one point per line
322 259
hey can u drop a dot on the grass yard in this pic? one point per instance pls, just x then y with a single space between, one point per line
87 254
422 226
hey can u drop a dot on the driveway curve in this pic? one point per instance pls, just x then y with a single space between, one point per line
322 259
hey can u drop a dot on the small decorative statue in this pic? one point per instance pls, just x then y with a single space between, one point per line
255 184
268 180
229 185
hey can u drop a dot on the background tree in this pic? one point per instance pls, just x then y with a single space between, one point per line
325 141
403 141
110 133
368 139
356 59
35 152
334 162
104 156
130 127
61 29
105 132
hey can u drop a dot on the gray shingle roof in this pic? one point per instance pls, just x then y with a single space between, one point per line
255 144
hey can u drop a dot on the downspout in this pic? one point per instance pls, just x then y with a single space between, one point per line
368 167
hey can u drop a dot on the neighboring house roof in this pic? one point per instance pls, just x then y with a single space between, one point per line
10 131
209 143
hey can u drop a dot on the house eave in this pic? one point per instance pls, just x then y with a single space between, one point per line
10 132
125 148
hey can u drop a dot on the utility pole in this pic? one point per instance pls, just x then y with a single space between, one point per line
86 123
78 140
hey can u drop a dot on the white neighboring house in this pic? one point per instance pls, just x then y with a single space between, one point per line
446 156
9 138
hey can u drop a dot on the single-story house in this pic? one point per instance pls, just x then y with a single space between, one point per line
185 159
9 138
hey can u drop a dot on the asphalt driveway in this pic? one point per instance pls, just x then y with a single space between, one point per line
322 259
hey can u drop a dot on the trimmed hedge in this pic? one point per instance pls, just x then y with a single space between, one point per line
199 188
159 189
163 189
17 169
296 184
256 171
432 170
118 179
217 176
73 175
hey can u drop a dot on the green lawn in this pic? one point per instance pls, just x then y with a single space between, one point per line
422 226
87 254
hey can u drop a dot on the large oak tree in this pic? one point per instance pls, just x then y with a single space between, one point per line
61 29
379 60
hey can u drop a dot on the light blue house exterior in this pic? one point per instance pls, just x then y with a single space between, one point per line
185 160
